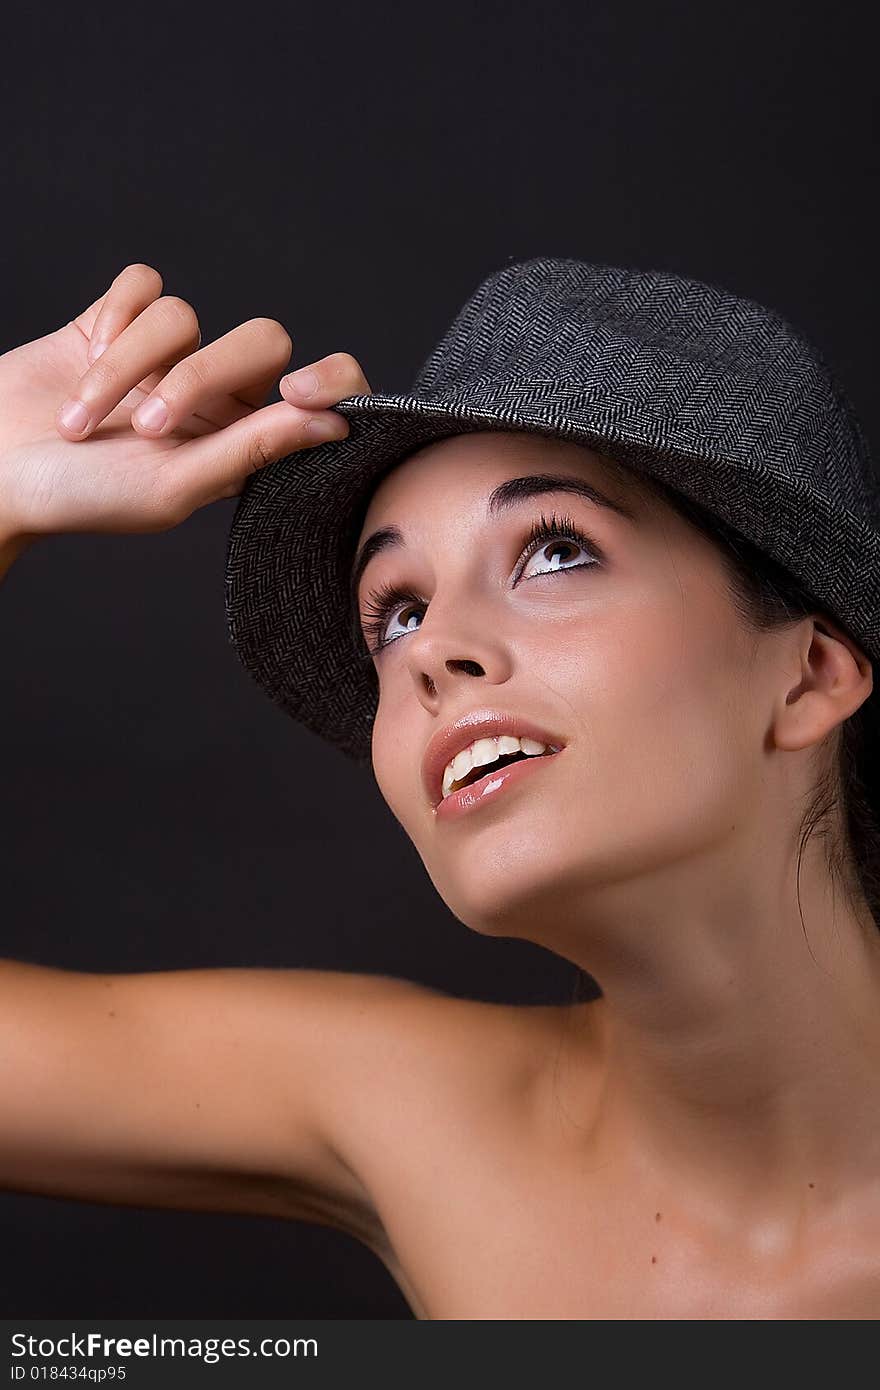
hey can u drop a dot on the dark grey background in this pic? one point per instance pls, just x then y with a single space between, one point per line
353 171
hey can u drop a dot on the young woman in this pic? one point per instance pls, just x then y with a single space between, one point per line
702 1140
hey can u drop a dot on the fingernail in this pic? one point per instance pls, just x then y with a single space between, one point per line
151 414
304 382
325 427
95 350
74 416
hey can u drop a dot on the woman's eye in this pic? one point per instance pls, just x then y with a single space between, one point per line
399 623
559 553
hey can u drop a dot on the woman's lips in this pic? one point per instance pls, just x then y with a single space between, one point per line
489 787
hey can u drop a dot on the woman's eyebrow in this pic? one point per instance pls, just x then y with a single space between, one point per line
507 495
515 490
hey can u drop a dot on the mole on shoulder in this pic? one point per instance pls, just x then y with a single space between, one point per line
811 1184
112 1013
657 1215
653 1259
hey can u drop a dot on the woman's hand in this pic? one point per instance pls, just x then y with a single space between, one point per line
131 353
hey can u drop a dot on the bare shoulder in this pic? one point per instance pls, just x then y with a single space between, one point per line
438 1094
421 1031
324 1072
416 1057
292 1092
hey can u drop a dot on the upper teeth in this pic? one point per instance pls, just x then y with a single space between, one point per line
484 751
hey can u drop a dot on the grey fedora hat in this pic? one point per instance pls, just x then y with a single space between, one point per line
713 394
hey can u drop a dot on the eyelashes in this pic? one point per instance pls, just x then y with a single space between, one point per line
380 603
378 607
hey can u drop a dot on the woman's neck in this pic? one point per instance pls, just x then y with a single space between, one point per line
740 1043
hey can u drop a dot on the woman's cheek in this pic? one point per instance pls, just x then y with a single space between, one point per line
395 765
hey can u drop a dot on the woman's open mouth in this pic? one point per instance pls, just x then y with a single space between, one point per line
482 785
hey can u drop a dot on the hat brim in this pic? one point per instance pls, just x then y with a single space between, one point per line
293 536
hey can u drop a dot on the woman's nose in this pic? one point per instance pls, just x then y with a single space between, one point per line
462 641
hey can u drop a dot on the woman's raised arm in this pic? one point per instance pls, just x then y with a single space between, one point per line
215 1088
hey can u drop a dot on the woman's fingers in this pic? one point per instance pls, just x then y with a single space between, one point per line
129 294
136 287
242 364
325 382
165 331
139 338
217 465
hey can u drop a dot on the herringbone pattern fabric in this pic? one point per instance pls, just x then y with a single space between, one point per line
716 395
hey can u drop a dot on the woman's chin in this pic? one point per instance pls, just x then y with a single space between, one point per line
501 900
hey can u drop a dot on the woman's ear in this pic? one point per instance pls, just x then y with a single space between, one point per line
836 677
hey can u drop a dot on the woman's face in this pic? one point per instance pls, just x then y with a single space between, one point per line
625 648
